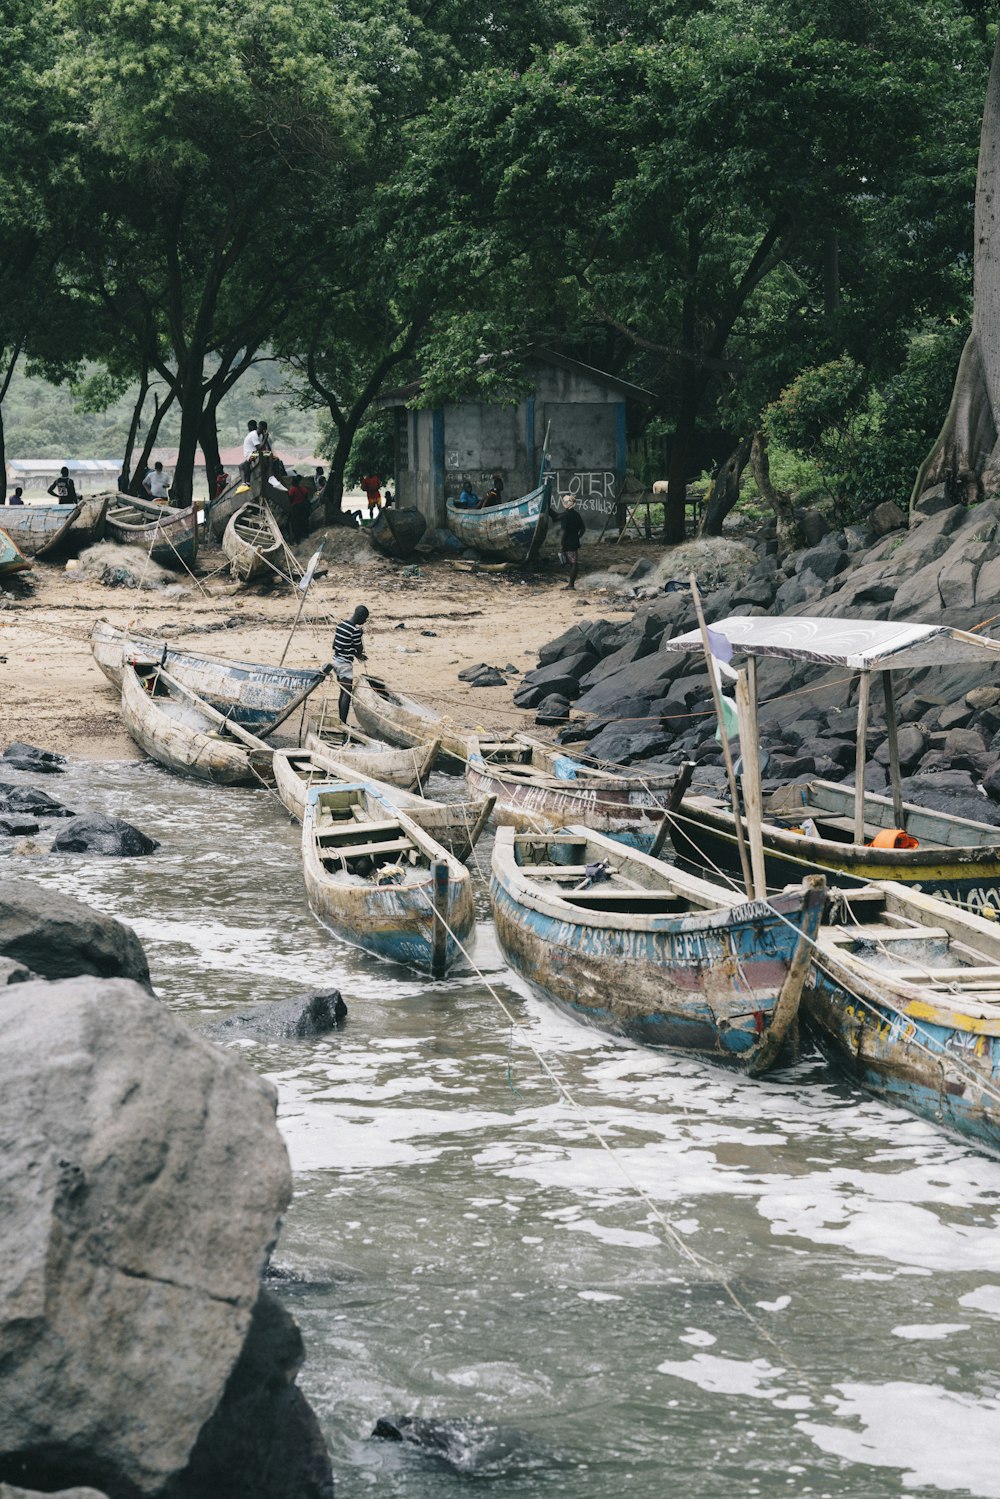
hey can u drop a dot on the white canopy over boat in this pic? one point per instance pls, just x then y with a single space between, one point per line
858 644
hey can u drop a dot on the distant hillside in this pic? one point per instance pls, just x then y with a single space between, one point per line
44 421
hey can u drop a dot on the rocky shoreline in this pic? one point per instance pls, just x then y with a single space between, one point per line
143 1181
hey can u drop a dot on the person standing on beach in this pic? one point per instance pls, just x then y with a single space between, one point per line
298 509
372 485
17 498
348 647
156 484
63 490
571 529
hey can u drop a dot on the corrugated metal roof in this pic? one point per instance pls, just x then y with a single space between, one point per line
859 644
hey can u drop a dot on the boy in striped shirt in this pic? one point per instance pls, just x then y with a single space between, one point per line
348 647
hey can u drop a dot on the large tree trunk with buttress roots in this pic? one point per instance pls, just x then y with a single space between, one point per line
964 462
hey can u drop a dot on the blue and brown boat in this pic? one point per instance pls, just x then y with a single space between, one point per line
904 997
12 559
380 882
643 950
169 536
513 530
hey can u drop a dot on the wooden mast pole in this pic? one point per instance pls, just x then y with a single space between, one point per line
752 800
895 783
864 693
723 736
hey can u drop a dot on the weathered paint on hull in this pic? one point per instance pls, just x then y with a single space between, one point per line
393 922
709 987
404 722
185 750
250 694
533 808
514 531
170 536
973 882
881 1050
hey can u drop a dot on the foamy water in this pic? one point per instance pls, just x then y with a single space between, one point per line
463 1247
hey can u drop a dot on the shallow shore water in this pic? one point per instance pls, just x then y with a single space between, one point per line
462 1247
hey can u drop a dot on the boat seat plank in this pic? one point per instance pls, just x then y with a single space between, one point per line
356 850
600 895
878 933
345 829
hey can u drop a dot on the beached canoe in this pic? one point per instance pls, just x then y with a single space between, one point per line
408 768
170 537
538 787
254 544
640 949
513 530
396 533
904 997
402 720
811 826
381 882
12 559
455 825
40 530
219 511
184 734
250 693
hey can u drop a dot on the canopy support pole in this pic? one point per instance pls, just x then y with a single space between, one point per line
724 738
895 783
750 751
864 694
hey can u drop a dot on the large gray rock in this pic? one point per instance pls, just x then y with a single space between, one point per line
142 1181
30 801
59 937
20 756
94 833
301 1017
887 517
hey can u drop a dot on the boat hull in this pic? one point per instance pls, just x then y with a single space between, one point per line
714 984
254 545
903 1051
188 748
170 537
967 876
12 559
513 531
249 693
406 768
632 812
403 721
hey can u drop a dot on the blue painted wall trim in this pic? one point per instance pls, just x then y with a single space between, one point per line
437 461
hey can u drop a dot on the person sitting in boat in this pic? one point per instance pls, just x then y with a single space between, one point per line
267 450
17 498
157 484
63 490
348 647
468 499
494 495
250 445
221 482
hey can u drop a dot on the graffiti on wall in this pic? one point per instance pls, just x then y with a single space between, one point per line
595 491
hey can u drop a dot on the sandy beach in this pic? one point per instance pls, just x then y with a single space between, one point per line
53 695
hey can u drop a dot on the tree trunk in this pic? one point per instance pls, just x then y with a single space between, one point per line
725 490
182 488
784 512
209 438
965 459
675 509
160 409
124 478
333 494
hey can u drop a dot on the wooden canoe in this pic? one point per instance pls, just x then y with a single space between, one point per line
811 827
397 533
219 511
382 883
39 530
12 559
169 536
401 720
254 544
250 693
904 997
513 530
455 825
369 756
184 734
538 787
643 950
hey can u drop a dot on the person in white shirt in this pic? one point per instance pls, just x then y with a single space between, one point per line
251 441
156 484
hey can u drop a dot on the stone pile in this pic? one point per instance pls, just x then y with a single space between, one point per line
142 1183
632 702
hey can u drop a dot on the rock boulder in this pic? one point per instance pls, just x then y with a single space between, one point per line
302 1016
30 802
142 1181
20 756
96 834
59 937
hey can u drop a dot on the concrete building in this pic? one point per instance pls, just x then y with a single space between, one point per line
588 410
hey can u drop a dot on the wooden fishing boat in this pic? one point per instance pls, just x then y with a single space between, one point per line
184 734
219 511
381 882
396 533
904 997
250 693
538 787
39 530
12 559
643 950
851 835
513 530
169 536
408 768
254 544
401 720
455 825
